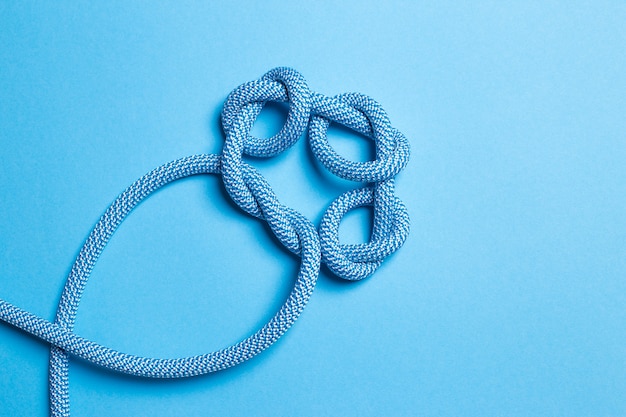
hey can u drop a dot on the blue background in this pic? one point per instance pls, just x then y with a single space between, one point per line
507 299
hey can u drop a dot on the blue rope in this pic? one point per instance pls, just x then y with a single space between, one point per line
252 193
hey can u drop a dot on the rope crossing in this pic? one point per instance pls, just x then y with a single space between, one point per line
309 113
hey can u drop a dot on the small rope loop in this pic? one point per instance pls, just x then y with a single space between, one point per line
279 84
392 148
355 262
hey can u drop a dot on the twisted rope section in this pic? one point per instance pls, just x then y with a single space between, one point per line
254 195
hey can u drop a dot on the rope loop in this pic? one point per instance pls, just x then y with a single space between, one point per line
392 148
279 84
357 261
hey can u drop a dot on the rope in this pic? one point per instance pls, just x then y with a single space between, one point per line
308 111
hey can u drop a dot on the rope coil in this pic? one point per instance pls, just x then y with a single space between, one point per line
308 111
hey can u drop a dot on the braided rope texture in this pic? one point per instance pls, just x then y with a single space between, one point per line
309 113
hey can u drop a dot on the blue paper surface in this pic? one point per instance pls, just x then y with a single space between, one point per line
507 299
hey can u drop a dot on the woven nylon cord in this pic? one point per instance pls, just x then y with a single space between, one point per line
309 113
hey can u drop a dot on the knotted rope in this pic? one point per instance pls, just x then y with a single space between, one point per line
252 193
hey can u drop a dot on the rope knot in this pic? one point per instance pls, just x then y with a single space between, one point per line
253 194
315 111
